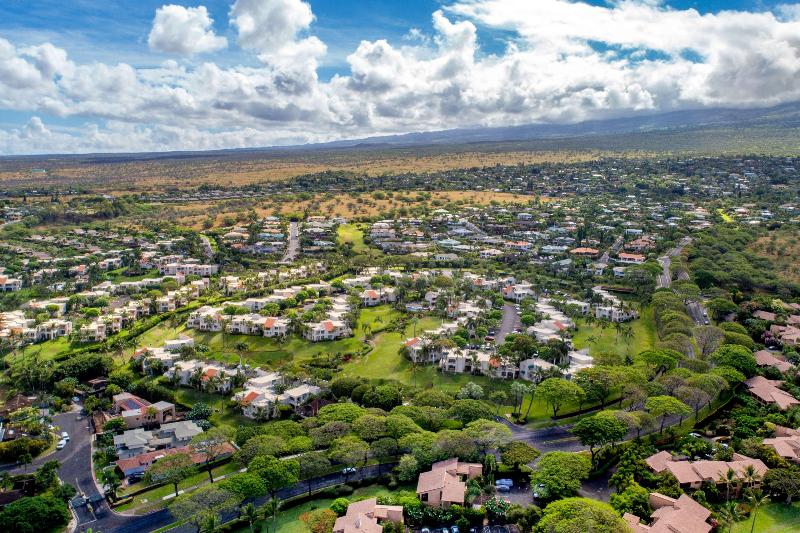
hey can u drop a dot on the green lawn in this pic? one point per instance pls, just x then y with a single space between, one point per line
117 276
224 413
725 216
46 350
350 233
608 340
773 518
288 520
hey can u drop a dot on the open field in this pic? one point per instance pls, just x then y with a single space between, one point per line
351 234
773 518
600 340
782 248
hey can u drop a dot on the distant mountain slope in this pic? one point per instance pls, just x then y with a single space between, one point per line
783 116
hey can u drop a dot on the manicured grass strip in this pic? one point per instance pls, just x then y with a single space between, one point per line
773 518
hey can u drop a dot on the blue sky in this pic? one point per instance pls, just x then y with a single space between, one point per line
112 32
117 29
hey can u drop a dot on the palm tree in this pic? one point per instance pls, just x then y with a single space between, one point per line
240 348
210 522
271 508
518 390
249 513
729 478
750 476
729 514
756 498
196 379
532 392
627 334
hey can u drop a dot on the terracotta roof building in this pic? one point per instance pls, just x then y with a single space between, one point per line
365 516
692 474
766 358
786 443
683 515
767 391
444 484
140 463
585 252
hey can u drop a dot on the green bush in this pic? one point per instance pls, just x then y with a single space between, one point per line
11 451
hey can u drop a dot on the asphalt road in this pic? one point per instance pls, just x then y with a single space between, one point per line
508 323
75 459
613 250
696 311
665 279
75 456
557 438
293 248
110 522
207 249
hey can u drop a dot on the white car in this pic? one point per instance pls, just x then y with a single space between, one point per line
61 444
65 436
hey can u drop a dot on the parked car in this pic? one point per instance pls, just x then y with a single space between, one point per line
695 435
76 399
454 529
502 488
506 482
65 436
348 470
61 444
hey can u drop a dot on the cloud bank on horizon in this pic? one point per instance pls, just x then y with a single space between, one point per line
563 61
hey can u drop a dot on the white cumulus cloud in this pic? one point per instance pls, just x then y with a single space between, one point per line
273 28
563 61
184 31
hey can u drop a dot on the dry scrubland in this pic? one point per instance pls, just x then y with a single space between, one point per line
345 205
119 176
782 248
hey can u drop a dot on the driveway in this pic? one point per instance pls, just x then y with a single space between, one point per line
508 323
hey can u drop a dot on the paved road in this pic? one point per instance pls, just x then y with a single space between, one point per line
110 522
508 323
75 456
698 313
75 459
614 249
557 438
665 279
293 248
207 249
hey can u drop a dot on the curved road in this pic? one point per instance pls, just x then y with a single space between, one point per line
111 522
